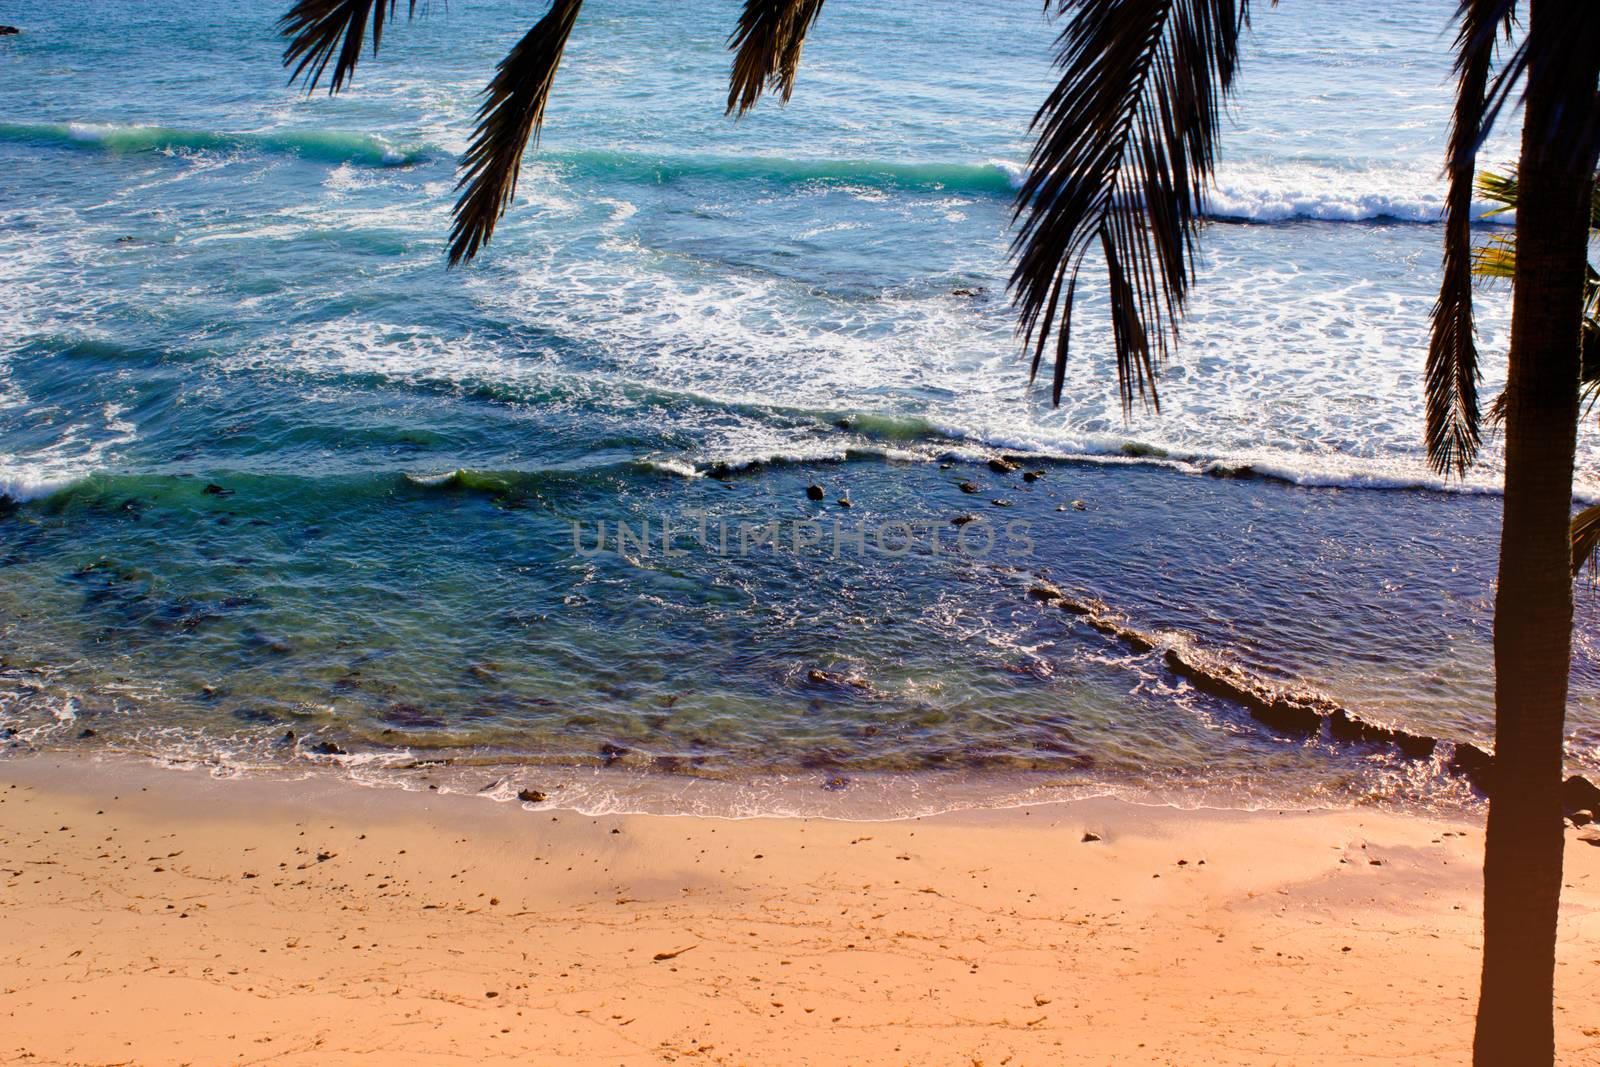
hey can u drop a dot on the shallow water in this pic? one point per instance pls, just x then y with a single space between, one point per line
210 280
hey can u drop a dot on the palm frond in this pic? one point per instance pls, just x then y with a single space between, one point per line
1453 432
1586 540
1499 188
766 45
1495 260
318 30
1126 149
511 115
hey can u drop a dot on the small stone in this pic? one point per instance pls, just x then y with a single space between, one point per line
612 753
1582 817
844 502
1032 476
997 502
962 520
531 796
836 783
213 489
815 492
1001 465
1589 835
9 31
85 732
967 487
1090 835
328 748
1078 505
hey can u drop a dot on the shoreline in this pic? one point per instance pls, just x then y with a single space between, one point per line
166 917
872 795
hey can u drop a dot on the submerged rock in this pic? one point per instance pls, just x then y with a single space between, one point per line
531 796
1472 763
213 489
327 748
1001 465
1032 476
1580 794
815 492
967 487
821 677
1348 727
9 31
612 753
962 520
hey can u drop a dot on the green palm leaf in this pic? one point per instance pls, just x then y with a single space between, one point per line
1453 434
766 44
320 29
512 115
1126 148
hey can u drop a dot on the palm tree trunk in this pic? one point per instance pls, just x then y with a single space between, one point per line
1533 603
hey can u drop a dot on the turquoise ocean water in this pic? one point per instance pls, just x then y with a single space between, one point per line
268 468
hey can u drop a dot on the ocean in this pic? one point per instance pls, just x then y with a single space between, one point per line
279 491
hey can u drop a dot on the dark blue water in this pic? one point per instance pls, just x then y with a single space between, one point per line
269 467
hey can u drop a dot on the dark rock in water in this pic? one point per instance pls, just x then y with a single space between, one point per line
821 677
1135 640
1286 712
1090 835
1347 727
287 738
1580 794
85 732
125 239
1032 476
844 502
836 783
531 796
9 31
815 492
327 748
946 466
967 487
213 489
1473 764
974 291
1289 715
1044 591
997 502
1001 465
1078 505
612 753
962 520
411 717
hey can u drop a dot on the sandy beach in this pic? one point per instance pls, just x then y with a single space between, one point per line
164 917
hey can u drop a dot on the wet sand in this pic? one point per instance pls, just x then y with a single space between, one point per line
155 917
